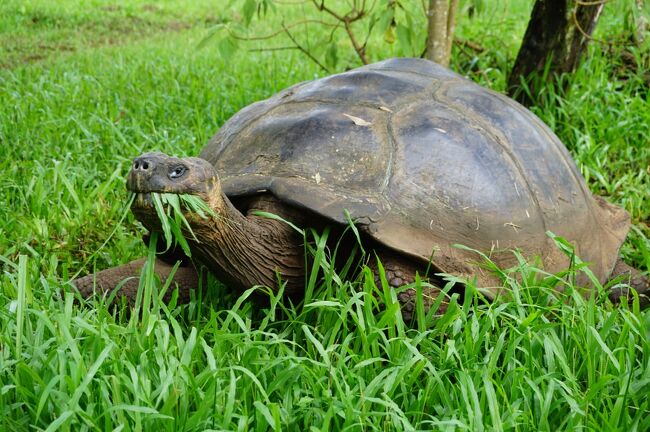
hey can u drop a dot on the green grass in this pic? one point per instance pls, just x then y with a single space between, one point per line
32 30
71 122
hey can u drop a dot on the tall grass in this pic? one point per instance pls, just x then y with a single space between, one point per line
343 358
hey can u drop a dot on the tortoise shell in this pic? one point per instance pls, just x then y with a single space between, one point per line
422 159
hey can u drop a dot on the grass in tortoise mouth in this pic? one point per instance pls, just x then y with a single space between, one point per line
171 210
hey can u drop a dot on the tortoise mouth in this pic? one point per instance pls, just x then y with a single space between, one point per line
145 206
142 200
154 213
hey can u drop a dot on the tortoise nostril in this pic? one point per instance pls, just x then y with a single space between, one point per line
143 164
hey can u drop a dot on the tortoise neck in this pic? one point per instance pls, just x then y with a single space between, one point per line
247 250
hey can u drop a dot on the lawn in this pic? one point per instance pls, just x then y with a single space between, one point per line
84 89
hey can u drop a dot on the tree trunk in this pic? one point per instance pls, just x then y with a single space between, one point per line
557 33
641 24
441 20
451 26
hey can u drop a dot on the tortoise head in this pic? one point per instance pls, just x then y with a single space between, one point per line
157 172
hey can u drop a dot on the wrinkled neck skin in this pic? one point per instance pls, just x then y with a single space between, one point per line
244 251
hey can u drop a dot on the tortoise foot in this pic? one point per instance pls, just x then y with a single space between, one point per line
127 278
401 271
636 280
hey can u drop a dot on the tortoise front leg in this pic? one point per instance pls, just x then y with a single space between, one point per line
635 279
105 281
401 271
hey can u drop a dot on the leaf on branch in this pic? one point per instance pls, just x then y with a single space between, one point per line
389 34
248 10
227 47
385 21
214 30
331 55
358 121
404 37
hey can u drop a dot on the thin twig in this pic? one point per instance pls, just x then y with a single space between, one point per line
468 43
371 26
323 8
591 3
273 49
303 50
361 50
349 18
331 38
589 37
461 43
274 34
347 21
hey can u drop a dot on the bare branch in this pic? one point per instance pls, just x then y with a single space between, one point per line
585 34
591 3
451 25
469 44
361 50
304 50
287 48
323 8
350 17
274 34
588 36
347 21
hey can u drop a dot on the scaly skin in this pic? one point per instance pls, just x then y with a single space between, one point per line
635 280
104 282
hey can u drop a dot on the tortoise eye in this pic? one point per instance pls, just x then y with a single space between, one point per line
177 172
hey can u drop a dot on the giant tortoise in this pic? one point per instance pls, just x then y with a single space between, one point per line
420 158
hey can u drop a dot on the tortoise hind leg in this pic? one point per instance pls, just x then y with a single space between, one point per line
401 271
105 281
635 279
